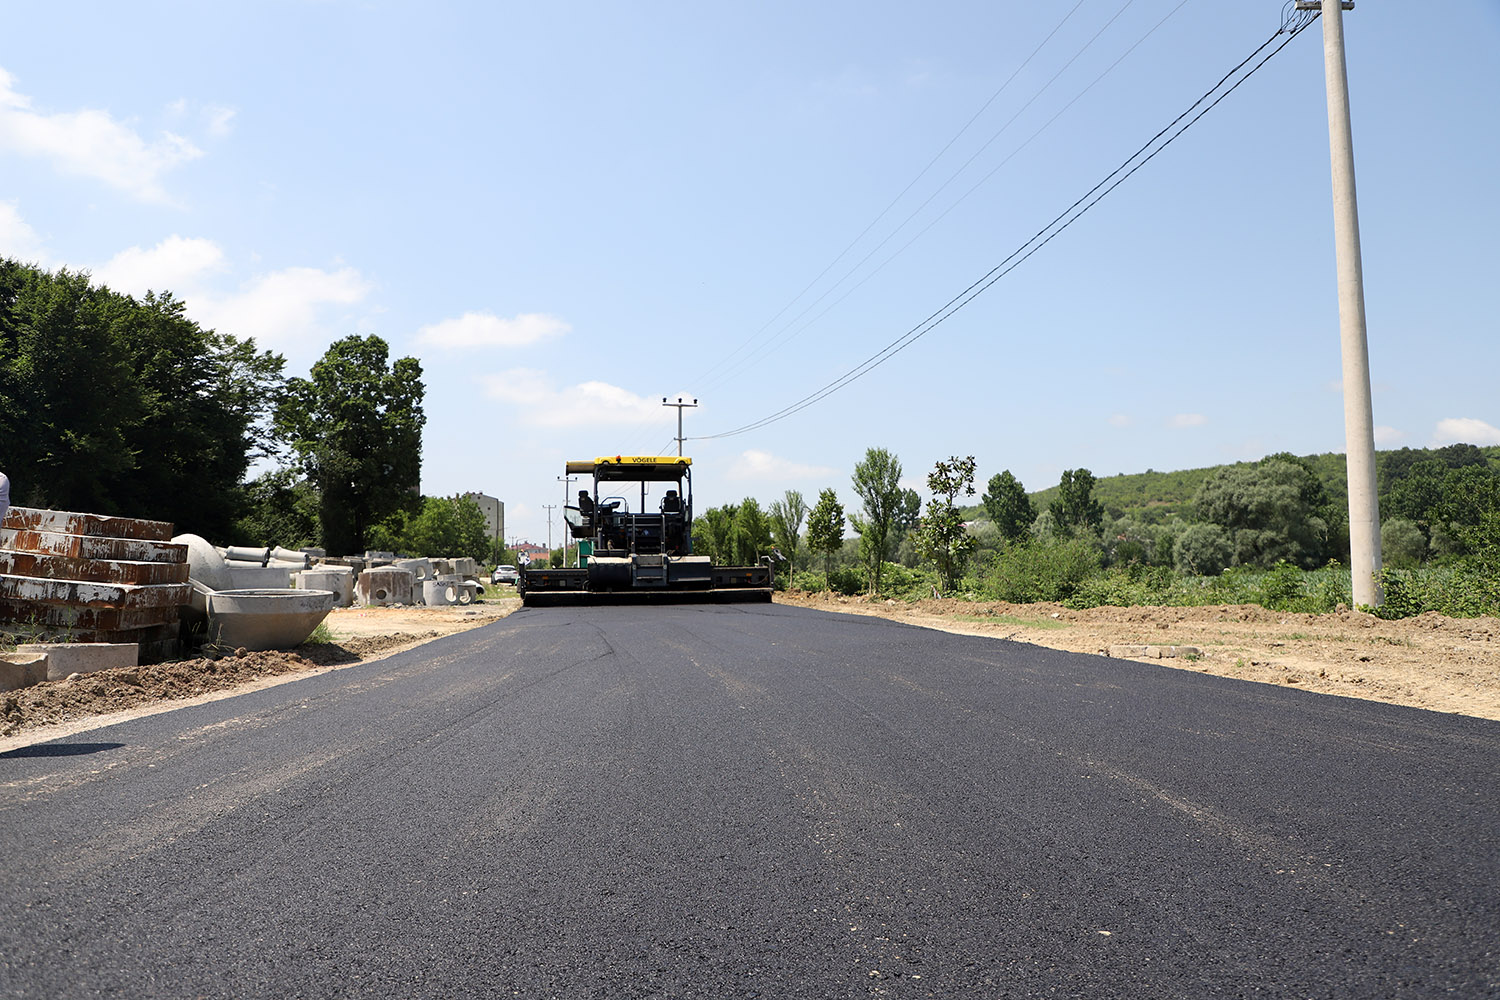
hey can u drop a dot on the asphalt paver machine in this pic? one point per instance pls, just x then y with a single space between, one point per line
636 530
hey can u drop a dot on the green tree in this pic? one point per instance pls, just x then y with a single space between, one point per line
1007 504
787 515
877 483
942 536
1203 549
119 406
356 428
1075 507
1402 544
713 534
825 527
1274 510
281 509
750 533
446 526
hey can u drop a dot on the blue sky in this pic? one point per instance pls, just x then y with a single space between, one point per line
570 211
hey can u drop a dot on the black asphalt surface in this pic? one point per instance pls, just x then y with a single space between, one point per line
755 801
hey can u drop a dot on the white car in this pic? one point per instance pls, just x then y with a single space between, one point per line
505 574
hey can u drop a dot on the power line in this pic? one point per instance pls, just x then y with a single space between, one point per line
790 331
1043 236
894 201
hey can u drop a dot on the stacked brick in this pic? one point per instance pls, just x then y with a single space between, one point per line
88 578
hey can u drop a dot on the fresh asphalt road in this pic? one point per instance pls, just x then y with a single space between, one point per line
754 801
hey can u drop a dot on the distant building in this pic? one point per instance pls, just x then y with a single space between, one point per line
494 514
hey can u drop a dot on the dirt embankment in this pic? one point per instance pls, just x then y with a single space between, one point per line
49 710
1431 661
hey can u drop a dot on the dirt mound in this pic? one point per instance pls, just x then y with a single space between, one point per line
359 633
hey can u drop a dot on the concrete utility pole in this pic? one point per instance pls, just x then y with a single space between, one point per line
1359 413
549 508
680 407
567 482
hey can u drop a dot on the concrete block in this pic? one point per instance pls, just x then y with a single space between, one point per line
384 586
439 593
466 567
71 523
242 577
1153 652
90 546
108 595
421 569
339 580
64 658
18 670
53 567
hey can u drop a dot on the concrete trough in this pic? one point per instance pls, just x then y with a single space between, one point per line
265 618
67 658
18 670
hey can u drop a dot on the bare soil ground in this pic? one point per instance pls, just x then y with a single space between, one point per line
1431 661
58 708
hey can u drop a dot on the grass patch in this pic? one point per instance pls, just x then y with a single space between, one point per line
1045 623
321 635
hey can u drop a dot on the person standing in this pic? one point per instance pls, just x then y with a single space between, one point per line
4 496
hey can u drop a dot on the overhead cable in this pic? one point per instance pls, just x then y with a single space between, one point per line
894 201
1045 235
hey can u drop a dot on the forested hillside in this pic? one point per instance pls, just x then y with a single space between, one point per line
1153 496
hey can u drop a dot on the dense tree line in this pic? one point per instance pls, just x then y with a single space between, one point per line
117 405
122 406
1277 518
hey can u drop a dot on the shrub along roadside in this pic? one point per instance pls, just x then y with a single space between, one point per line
1068 572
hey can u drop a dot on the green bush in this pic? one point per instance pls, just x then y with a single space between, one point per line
1459 592
1044 570
907 584
1281 588
811 581
848 581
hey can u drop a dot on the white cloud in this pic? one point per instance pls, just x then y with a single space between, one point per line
1188 420
1466 430
176 264
1119 420
17 239
587 404
1386 436
762 465
474 329
90 143
282 309
220 120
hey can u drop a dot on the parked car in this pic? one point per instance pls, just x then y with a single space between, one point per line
505 574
